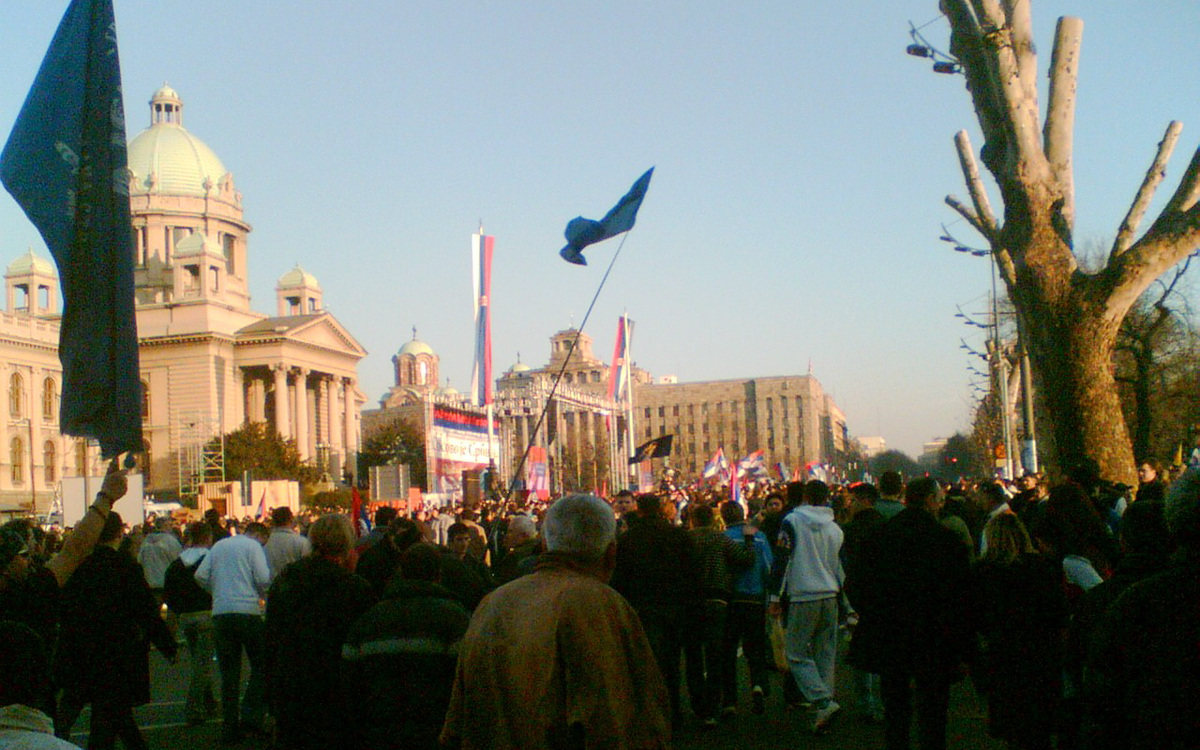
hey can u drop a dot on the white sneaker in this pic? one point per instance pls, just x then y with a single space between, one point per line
822 716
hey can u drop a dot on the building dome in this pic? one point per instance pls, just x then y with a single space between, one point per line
519 368
415 347
29 264
165 159
297 277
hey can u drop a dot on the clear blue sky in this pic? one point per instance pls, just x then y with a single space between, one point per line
801 161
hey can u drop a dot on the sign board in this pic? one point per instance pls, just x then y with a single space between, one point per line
457 441
79 492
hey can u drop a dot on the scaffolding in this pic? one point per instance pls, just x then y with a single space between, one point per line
201 451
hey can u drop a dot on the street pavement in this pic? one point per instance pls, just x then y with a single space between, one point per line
163 726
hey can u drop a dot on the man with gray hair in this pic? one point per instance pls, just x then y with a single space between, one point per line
1143 671
565 642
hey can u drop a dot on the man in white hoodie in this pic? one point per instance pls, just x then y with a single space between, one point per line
809 574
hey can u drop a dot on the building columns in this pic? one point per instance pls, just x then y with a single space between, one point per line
281 402
348 417
301 420
333 429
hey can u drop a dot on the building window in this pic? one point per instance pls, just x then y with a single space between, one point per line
16 455
662 411
229 246
706 447
691 410
595 376
48 398
16 394
675 410
691 429
704 428
49 461
145 400
145 462
720 406
567 378
214 278
648 432
647 412
662 430
704 408
81 458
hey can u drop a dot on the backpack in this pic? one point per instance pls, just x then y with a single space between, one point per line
181 593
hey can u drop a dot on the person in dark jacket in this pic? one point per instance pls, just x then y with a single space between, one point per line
378 563
909 587
310 609
1020 614
399 657
192 605
109 619
864 521
657 571
720 559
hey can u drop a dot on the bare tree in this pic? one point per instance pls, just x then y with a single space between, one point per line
1068 317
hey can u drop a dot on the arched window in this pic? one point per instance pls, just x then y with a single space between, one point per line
49 397
145 400
81 457
16 455
50 461
16 394
422 372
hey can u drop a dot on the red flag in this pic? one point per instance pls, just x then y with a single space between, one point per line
355 510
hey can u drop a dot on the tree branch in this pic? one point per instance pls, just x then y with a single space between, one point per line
966 45
1058 130
983 208
1008 49
1188 192
1154 176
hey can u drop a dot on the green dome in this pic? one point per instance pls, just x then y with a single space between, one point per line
297 277
415 347
29 264
165 159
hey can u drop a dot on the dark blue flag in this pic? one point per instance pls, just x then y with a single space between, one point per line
65 165
582 232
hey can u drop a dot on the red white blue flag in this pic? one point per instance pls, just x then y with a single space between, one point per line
618 374
716 465
481 272
751 465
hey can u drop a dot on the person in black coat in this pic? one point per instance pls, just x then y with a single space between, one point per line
909 586
1020 612
109 619
310 608
399 659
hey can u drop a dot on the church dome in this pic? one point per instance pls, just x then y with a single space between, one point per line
298 277
519 368
29 264
415 347
165 159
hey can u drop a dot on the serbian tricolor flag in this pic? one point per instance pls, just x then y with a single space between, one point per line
718 463
782 471
751 464
481 273
618 374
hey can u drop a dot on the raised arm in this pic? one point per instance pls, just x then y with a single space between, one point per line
82 539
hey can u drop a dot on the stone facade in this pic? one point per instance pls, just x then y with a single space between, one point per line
789 418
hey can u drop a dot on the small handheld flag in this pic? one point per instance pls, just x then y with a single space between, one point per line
656 448
582 232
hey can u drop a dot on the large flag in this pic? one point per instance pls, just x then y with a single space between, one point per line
659 447
65 165
717 464
618 374
582 232
481 271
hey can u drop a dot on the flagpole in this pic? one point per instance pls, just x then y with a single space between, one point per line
630 432
559 375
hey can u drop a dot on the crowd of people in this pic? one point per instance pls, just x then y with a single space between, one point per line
1072 607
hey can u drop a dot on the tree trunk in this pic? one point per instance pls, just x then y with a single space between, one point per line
1071 350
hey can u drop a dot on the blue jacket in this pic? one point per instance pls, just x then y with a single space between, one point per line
752 582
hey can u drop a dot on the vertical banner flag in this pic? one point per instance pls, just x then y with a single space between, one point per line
619 373
582 232
65 164
481 271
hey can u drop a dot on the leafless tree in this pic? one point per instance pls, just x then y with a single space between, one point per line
1068 317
